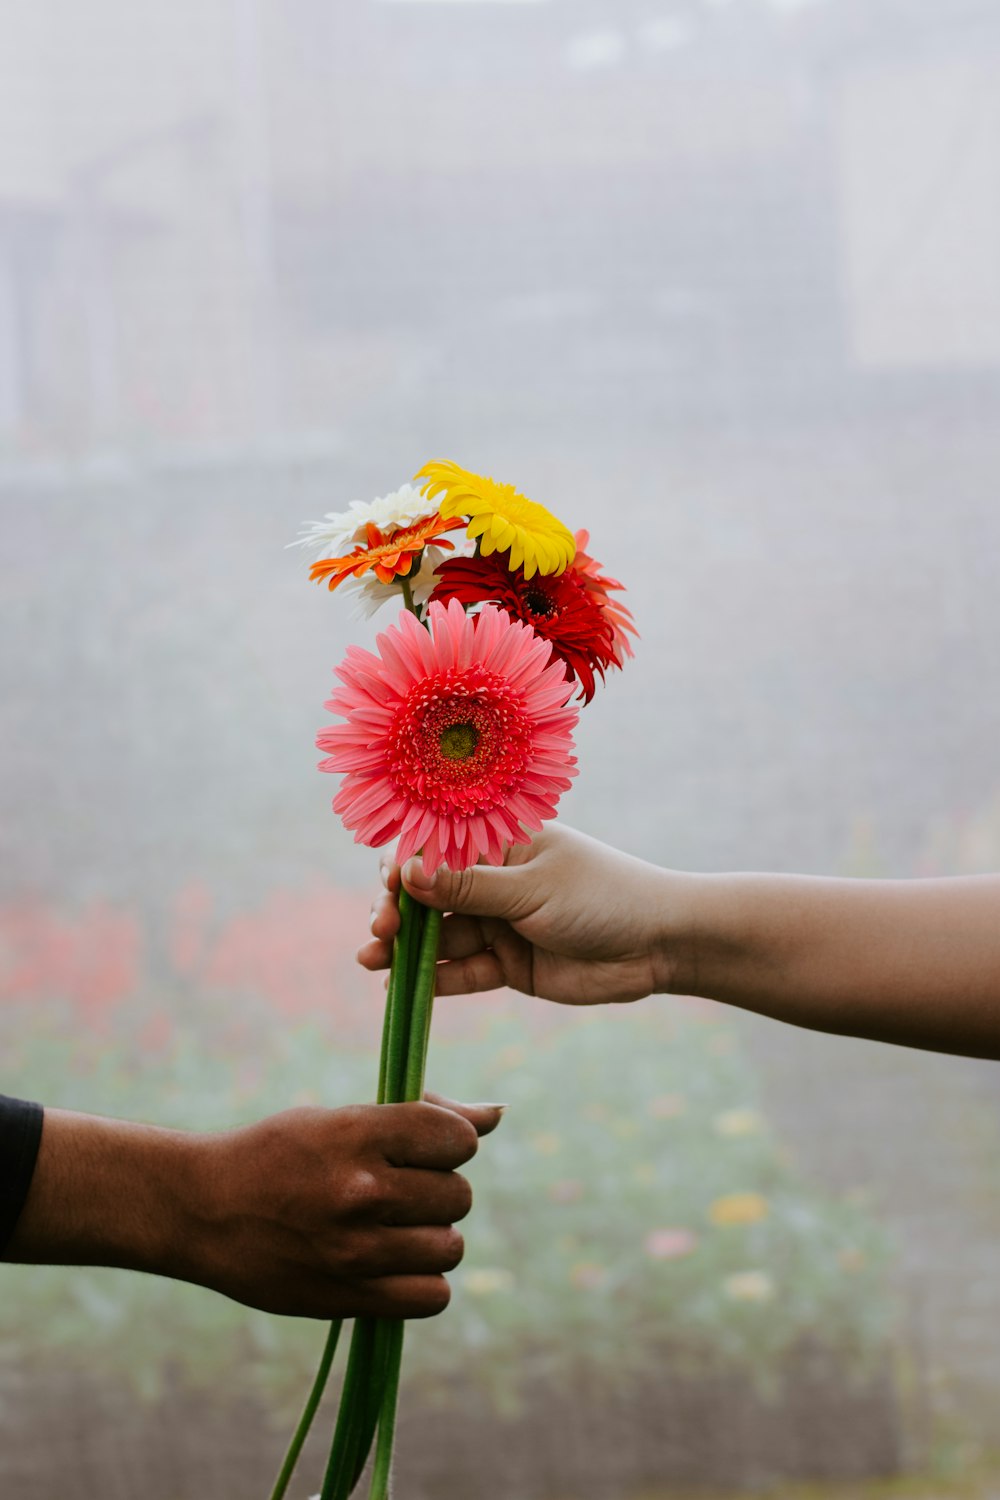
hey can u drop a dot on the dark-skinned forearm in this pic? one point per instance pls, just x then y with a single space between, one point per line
107 1192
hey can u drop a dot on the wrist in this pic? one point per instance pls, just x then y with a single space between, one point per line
674 942
104 1192
718 938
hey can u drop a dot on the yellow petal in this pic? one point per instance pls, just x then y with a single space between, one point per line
564 558
548 558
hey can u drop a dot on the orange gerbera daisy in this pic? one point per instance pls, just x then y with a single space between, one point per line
387 554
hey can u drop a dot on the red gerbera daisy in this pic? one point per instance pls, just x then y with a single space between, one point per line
597 585
389 555
458 738
560 607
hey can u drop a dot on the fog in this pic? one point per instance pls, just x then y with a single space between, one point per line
718 280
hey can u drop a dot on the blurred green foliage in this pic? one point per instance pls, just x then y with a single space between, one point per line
634 1207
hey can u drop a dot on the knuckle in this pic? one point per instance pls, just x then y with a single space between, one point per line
465 971
463 1196
452 1249
433 1297
364 1194
420 1119
354 1257
460 888
353 1123
466 1139
443 1128
443 1125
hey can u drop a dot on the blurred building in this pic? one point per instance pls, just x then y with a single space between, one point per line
238 218
918 178
132 237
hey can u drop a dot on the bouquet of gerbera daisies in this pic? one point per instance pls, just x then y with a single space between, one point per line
457 742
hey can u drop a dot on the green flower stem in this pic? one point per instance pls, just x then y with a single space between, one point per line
305 1421
348 1439
392 1075
391 1329
399 1002
387 1419
373 1395
423 1001
395 1000
362 1427
371 1382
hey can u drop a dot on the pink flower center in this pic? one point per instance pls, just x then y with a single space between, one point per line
461 742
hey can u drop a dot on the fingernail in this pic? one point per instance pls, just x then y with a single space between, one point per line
371 922
383 870
489 1104
418 876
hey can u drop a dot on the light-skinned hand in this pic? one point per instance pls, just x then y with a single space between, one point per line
914 962
566 918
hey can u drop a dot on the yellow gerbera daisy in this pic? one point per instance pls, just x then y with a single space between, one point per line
502 519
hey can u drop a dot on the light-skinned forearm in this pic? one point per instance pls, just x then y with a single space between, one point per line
916 962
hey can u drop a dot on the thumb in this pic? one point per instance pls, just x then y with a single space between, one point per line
485 1117
481 890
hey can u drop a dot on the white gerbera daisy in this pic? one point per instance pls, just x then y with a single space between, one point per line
339 531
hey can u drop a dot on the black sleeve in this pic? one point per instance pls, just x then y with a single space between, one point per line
20 1137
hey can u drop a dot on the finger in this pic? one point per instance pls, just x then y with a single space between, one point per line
376 952
485 1117
426 1250
460 936
389 874
374 955
403 1296
425 1135
512 966
470 971
470 976
419 1196
384 920
485 890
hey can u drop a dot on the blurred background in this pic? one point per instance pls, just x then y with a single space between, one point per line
717 279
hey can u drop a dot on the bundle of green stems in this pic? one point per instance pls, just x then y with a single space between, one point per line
368 1400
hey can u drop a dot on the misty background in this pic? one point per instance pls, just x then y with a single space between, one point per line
718 280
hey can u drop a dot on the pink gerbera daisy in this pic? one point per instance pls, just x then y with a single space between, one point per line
458 738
